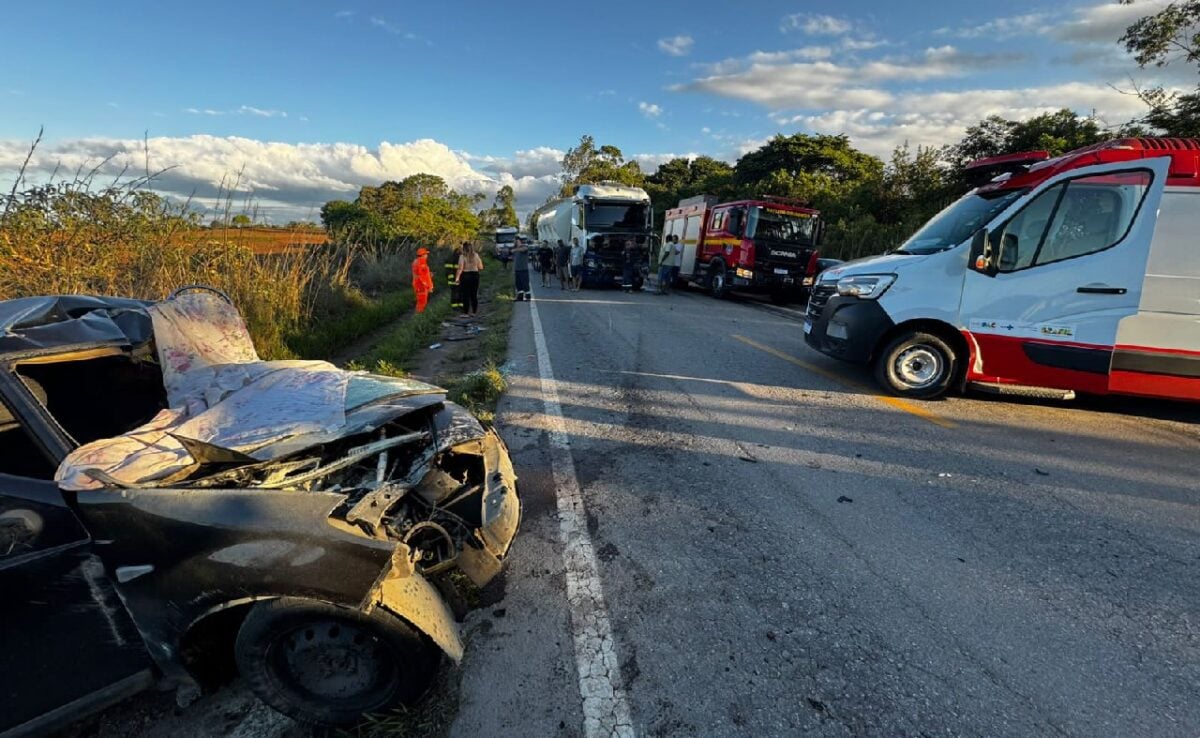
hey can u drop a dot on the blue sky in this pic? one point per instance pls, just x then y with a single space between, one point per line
305 101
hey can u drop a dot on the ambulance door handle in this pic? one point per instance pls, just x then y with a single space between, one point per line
1101 289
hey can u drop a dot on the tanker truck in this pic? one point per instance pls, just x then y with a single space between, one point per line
602 217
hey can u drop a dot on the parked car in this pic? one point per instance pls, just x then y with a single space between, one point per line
173 508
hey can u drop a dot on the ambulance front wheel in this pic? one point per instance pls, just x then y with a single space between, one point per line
916 364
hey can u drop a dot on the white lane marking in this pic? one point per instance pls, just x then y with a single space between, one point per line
606 711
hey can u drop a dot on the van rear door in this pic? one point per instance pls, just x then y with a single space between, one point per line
1069 267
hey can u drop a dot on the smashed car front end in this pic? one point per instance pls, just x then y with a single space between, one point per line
378 520
267 480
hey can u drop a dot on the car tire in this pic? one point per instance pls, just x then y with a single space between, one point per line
918 365
718 279
325 664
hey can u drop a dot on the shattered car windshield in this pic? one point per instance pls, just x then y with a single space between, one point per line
364 389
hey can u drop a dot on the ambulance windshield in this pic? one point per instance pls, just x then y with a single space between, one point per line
959 222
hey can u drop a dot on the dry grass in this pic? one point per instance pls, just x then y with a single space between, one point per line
72 238
262 240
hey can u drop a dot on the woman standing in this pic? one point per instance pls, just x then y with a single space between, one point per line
576 264
469 267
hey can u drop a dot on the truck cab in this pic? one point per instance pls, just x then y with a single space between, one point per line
1079 273
764 245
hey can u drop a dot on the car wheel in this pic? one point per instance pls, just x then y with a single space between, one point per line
329 665
718 279
916 364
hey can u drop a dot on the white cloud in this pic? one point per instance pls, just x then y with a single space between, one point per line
385 25
537 162
241 110
650 110
289 180
1104 23
776 82
816 24
1002 28
676 45
343 14
938 118
861 44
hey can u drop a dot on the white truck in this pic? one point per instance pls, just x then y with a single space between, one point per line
506 239
1074 274
602 217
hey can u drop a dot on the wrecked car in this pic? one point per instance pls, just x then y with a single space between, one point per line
174 509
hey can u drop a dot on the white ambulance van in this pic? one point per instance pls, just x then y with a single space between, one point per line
1074 274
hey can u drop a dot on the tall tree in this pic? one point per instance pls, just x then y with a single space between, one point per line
1171 35
1057 132
586 164
679 178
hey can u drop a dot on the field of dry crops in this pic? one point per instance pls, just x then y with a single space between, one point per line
262 240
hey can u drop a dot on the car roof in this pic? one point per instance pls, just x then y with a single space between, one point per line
33 325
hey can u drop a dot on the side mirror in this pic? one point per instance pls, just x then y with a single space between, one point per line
981 258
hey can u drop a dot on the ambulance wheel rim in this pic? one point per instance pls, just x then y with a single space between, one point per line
919 366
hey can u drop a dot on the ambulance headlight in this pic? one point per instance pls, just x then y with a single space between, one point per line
865 286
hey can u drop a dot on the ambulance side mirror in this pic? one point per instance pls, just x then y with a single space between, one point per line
981 258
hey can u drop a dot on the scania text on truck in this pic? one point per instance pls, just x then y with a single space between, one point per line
602 217
766 245
1074 274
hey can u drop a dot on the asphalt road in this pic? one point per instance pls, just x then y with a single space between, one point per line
780 550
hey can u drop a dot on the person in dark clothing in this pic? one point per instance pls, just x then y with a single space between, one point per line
450 267
563 256
545 257
629 265
520 259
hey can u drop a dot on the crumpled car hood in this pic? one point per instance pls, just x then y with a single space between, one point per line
224 400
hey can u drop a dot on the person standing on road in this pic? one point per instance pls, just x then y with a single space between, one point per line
545 257
576 264
520 257
469 267
666 257
676 258
422 278
562 256
629 266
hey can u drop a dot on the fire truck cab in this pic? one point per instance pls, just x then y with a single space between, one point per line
768 244
1074 274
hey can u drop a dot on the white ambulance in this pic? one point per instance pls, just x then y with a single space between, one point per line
1074 274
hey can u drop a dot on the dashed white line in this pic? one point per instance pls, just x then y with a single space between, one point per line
606 712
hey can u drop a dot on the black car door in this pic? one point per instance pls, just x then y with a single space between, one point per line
67 644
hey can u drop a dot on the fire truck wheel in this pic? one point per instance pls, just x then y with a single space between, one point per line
916 364
718 279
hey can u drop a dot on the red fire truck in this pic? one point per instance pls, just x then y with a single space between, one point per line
767 244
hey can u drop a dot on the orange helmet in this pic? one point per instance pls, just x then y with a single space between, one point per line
422 251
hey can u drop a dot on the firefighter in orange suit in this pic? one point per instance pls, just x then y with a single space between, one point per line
422 279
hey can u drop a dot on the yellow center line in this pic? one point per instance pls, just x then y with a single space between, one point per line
895 402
